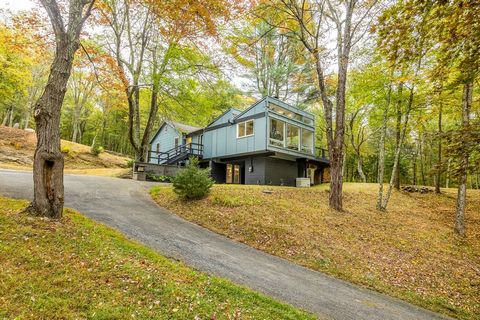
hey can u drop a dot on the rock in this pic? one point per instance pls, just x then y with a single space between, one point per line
29 130
416 189
16 125
267 191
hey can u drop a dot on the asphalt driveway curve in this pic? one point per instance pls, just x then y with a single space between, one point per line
126 206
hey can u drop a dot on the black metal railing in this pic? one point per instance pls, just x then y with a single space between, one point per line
321 153
177 153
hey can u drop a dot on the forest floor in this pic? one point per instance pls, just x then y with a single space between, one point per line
78 268
409 252
17 148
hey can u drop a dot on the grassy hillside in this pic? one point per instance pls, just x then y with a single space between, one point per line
17 148
409 252
78 269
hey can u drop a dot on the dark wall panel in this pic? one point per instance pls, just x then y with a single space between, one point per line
218 172
257 176
280 172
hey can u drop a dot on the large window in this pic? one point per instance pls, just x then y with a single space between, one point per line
307 141
290 114
277 129
293 139
245 129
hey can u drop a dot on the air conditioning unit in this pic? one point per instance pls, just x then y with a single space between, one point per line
303 182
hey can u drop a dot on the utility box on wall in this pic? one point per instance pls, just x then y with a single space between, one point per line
303 182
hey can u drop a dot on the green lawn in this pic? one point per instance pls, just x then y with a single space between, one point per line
409 252
77 268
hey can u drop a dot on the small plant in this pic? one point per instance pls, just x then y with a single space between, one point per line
193 182
96 150
65 149
154 177
130 163
17 145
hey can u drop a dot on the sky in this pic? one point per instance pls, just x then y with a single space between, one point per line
17 5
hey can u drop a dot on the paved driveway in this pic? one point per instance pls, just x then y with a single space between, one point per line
126 206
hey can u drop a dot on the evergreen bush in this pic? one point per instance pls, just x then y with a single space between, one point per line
192 182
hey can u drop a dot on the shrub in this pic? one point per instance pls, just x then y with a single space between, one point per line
192 182
65 149
96 150
130 163
154 177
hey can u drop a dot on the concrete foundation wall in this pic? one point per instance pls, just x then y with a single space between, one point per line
156 169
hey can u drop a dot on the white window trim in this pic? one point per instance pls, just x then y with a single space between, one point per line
245 124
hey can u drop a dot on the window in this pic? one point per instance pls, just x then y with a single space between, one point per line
245 129
307 141
176 142
277 129
292 115
158 147
293 139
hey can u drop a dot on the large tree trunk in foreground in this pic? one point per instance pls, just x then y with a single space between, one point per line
48 162
462 174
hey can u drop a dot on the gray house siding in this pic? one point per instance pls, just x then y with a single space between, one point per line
257 176
265 170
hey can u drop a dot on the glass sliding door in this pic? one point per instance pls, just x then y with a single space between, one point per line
229 178
233 173
236 173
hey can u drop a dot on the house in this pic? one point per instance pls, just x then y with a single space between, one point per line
271 142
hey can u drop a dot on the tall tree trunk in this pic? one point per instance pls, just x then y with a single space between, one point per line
414 169
48 195
398 150
48 164
398 133
447 179
5 119
462 173
439 160
361 174
381 146
10 119
27 116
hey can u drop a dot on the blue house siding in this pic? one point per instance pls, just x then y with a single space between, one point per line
166 138
250 158
225 117
223 141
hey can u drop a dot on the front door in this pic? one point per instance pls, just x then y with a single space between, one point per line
233 173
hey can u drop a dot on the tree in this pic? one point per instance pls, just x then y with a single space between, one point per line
453 30
309 22
275 62
48 161
15 72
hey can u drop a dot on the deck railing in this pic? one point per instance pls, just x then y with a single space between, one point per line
321 153
177 153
